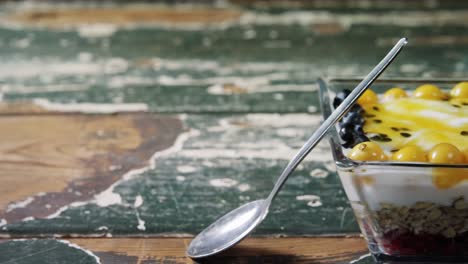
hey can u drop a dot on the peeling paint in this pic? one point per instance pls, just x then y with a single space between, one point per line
141 224
102 228
138 201
312 200
109 197
90 107
72 245
312 109
319 173
345 21
97 30
284 120
115 66
64 208
29 218
20 204
223 183
47 68
243 187
258 149
180 178
186 169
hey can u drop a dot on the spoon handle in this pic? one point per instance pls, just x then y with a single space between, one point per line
336 115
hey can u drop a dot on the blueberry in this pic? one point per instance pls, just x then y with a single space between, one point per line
353 118
340 97
358 130
337 102
357 109
346 133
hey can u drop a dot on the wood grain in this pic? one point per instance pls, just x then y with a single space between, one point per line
119 16
251 250
59 159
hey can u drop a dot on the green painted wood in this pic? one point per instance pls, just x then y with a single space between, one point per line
43 252
273 63
224 162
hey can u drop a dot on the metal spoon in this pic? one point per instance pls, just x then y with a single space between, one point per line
237 224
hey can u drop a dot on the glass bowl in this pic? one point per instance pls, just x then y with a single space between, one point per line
400 211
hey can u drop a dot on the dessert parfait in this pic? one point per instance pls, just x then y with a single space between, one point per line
402 156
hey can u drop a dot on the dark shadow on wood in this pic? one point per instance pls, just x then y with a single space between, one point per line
244 254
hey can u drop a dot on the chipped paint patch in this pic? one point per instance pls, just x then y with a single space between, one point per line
141 224
312 109
89 107
223 182
312 200
3 222
255 148
243 187
46 69
29 218
72 245
276 152
344 21
20 204
64 208
186 169
116 65
243 85
319 173
138 201
102 228
283 120
180 178
96 30
412 68
107 198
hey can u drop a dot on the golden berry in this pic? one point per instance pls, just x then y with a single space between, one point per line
445 153
367 151
395 93
368 97
460 90
429 91
465 153
410 153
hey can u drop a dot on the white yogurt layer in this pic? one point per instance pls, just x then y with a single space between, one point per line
399 187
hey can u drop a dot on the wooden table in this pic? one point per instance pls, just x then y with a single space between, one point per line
126 129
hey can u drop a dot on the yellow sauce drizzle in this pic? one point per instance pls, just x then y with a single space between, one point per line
424 123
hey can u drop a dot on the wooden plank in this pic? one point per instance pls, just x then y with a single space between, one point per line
158 175
49 161
172 250
218 60
124 16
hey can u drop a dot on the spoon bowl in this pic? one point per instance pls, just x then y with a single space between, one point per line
237 224
229 229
